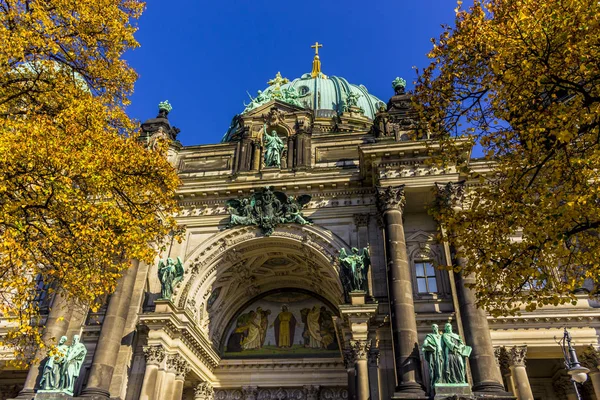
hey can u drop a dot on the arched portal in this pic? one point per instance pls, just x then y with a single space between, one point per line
241 263
292 276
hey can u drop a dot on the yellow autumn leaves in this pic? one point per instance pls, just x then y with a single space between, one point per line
79 195
521 77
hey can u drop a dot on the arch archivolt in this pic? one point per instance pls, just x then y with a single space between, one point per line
240 263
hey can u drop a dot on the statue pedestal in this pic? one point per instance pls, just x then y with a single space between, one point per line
357 297
456 391
52 395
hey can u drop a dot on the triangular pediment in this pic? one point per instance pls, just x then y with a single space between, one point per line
275 104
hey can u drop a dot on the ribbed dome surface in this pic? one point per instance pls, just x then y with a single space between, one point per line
330 93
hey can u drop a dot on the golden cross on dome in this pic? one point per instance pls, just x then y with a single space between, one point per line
316 47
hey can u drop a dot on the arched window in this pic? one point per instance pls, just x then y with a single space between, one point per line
425 274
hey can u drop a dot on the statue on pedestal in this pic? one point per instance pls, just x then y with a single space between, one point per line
445 354
454 353
62 369
51 377
354 268
169 274
432 348
273 149
75 358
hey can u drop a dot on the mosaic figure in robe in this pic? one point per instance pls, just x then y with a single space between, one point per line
285 325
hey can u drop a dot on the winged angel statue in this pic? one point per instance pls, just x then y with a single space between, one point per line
354 269
267 209
169 274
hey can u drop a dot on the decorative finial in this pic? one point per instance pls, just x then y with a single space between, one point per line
316 47
316 71
165 106
399 85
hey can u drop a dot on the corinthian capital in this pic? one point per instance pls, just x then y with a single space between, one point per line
154 354
203 391
590 358
360 348
349 357
516 356
181 369
390 198
450 195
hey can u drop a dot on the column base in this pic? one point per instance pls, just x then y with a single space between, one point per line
491 390
25 394
95 394
411 390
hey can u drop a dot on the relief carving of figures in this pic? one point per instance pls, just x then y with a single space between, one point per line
273 148
354 268
267 209
445 354
169 274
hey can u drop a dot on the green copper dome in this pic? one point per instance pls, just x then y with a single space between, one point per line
321 93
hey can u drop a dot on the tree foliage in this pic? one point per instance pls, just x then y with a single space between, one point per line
522 79
79 195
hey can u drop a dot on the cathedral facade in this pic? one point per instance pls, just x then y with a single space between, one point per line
308 271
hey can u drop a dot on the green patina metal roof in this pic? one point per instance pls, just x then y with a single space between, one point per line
329 93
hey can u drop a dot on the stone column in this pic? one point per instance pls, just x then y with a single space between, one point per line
57 324
154 358
504 365
361 350
109 343
374 369
349 363
256 157
484 370
204 391
290 152
516 360
167 389
590 358
390 202
181 370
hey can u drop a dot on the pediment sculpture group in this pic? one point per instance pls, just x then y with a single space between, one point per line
445 354
62 367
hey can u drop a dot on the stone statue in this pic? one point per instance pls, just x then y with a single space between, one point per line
354 269
432 349
273 149
267 209
169 274
352 99
445 354
73 362
454 353
51 376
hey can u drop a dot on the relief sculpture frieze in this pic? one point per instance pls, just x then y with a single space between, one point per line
267 209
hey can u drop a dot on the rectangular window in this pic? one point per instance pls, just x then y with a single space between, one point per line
425 273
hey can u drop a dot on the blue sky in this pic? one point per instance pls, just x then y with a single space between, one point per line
204 55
